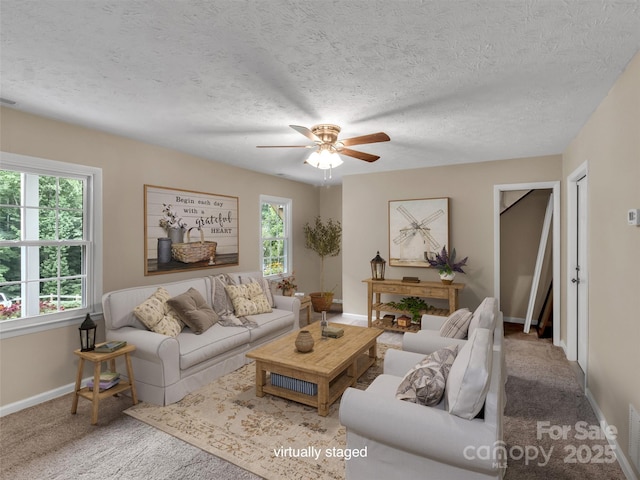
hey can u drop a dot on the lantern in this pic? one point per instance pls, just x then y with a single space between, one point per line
87 334
377 267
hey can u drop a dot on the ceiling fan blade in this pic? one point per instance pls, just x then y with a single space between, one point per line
306 132
372 138
367 157
286 146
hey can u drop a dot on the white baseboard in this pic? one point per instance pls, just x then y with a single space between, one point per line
40 398
519 320
627 469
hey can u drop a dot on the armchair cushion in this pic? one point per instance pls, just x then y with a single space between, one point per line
457 324
470 374
194 311
425 382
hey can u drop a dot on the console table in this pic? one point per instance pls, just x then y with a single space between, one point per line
398 287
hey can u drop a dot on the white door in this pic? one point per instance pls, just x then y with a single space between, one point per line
580 277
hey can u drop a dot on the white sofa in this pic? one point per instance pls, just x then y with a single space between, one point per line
408 440
168 368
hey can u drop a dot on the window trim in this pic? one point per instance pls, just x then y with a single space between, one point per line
42 166
288 232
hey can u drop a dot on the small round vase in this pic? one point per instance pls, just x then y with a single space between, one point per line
447 278
304 341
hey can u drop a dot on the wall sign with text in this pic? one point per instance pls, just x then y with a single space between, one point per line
186 230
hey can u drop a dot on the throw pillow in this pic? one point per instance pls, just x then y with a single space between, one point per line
457 324
157 315
222 304
248 299
194 311
470 375
264 284
425 383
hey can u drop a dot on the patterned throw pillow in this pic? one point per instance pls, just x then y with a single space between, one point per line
248 299
264 284
156 314
425 383
457 324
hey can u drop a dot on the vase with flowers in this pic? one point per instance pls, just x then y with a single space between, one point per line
173 225
287 285
447 265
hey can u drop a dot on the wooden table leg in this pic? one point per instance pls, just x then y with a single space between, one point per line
74 406
96 392
132 381
352 372
373 351
323 397
261 379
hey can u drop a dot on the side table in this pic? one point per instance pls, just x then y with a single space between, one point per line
305 302
95 395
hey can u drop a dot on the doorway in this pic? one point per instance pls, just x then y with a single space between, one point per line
498 191
577 268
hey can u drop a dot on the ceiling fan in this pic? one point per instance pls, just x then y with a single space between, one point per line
325 138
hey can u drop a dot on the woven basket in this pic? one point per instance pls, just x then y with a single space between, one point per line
192 252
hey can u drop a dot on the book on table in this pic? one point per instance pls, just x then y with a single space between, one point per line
104 385
111 346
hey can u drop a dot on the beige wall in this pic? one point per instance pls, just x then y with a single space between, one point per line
469 187
610 143
127 165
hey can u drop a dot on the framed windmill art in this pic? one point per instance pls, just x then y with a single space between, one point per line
417 230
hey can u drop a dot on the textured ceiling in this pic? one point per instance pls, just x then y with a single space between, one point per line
448 81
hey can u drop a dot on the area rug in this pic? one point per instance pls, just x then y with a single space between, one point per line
272 437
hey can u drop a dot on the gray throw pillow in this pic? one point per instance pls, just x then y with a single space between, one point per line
425 383
457 325
194 311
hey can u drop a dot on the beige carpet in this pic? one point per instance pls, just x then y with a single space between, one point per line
269 436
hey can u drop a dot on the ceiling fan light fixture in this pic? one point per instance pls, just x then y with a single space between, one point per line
324 159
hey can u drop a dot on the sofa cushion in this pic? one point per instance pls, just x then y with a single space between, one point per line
470 375
425 382
457 324
156 314
217 340
485 316
194 311
270 323
248 299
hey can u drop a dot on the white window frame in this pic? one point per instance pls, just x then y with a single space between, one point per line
288 203
93 221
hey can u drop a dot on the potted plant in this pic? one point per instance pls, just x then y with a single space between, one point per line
287 285
173 225
324 238
414 305
446 265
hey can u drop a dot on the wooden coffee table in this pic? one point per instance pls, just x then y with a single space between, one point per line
333 365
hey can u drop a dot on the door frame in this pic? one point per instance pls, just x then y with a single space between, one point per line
554 186
571 347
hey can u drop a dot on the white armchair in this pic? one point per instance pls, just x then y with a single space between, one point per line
428 339
406 440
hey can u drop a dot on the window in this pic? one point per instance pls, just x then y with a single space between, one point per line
49 251
275 235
